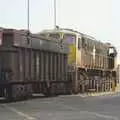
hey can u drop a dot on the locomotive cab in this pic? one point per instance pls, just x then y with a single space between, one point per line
111 56
112 51
68 38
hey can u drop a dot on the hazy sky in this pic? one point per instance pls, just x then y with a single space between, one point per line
99 18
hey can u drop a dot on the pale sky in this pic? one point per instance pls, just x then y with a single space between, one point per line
99 18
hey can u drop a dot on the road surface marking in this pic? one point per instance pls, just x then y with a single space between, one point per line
102 115
94 113
18 112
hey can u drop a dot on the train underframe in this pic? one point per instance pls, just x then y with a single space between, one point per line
93 80
89 80
22 90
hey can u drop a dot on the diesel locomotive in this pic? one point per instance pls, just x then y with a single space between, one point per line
91 63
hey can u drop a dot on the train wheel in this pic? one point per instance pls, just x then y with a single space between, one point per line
82 80
46 90
9 91
52 90
80 83
5 93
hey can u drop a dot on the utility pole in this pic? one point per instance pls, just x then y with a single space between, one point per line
28 15
54 13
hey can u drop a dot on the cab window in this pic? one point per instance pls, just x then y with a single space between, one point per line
51 36
54 36
69 39
79 43
84 42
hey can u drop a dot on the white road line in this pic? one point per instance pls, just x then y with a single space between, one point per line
94 113
27 117
102 115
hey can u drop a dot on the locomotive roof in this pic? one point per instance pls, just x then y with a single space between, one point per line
67 31
56 31
71 31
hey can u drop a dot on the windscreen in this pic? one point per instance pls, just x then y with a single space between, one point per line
54 36
51 36
69 39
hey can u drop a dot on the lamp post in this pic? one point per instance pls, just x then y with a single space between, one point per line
28 15
28 22
55 13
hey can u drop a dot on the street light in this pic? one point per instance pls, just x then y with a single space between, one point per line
55 13
28 22
28 15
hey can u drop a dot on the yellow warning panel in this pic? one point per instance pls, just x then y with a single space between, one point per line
72 54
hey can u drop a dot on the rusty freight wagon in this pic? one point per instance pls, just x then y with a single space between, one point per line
29 64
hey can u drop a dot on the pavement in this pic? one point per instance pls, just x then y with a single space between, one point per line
107 93
69 107
94 94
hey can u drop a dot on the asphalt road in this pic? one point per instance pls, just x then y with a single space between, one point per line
63 108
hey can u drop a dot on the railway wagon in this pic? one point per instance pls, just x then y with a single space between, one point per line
91 63
30 64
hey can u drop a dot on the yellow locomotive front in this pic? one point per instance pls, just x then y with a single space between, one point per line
70 38
66 37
